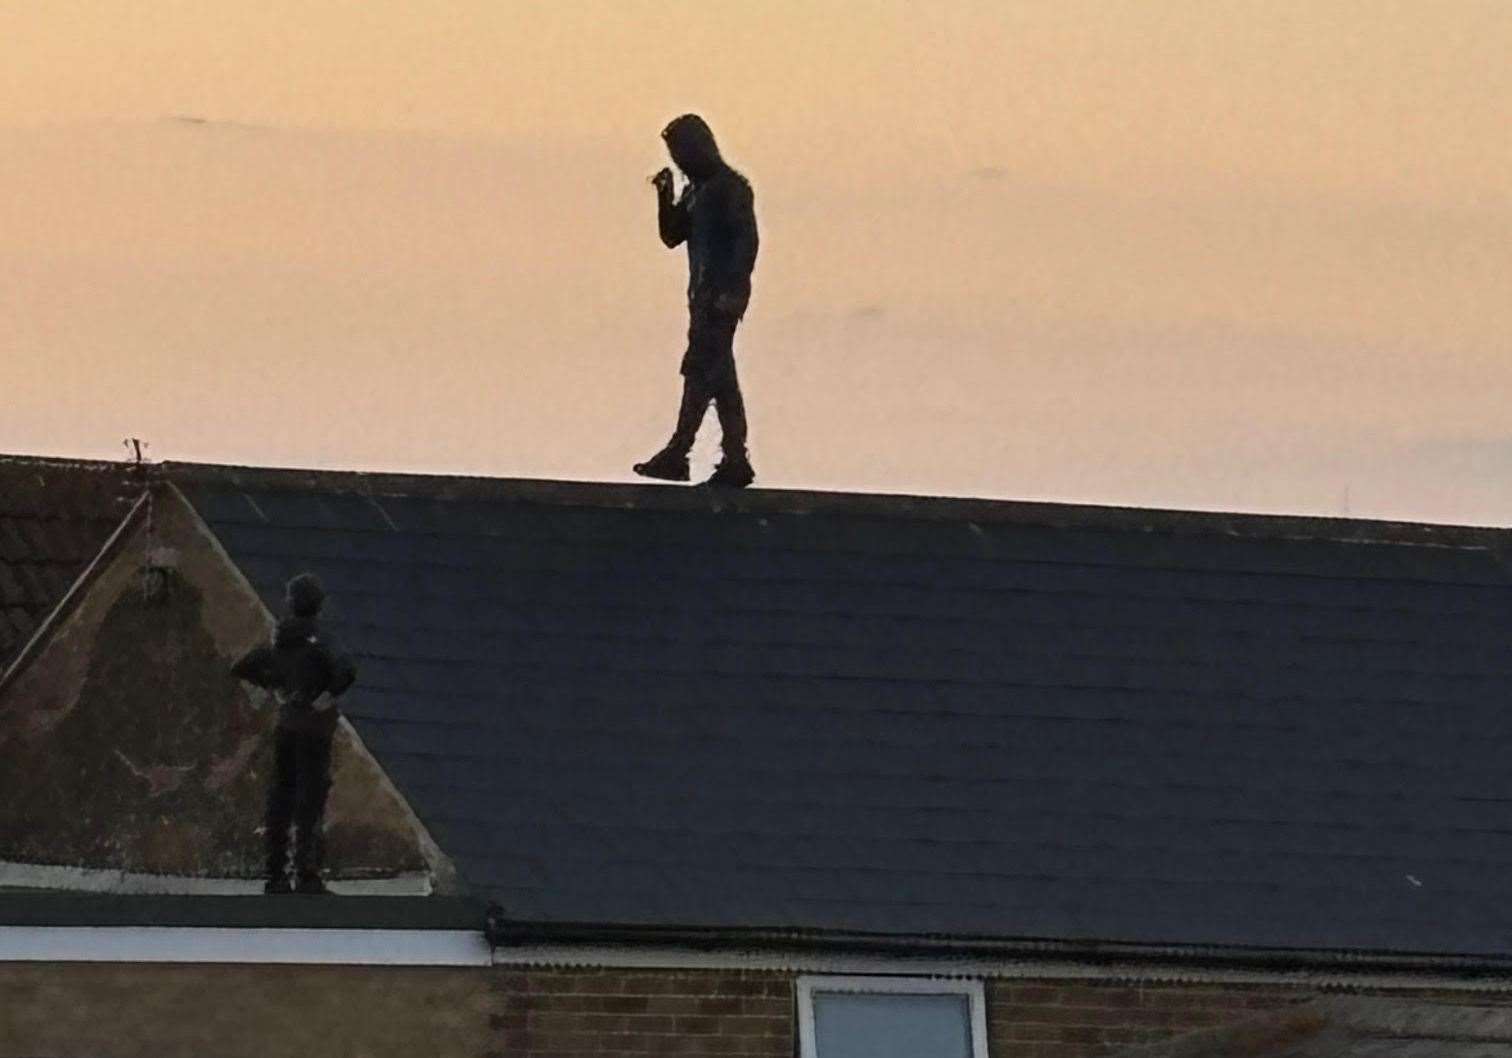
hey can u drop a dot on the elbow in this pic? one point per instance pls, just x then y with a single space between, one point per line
251 666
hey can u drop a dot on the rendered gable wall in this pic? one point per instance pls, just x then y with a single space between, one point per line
133 747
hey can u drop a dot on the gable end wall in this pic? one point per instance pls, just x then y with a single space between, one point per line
146 755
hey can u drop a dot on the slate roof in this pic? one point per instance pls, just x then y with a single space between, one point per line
55 515
1353 1027
655 706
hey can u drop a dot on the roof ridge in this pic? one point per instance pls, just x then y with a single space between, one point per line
1040 513
62 462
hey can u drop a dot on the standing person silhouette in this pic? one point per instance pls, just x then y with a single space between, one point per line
716 217
307 671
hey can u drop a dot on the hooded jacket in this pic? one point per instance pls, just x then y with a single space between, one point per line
715 216
302 663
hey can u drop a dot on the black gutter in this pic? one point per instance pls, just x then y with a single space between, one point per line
503 933
462 913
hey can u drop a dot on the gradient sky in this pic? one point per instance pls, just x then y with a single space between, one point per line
1241 254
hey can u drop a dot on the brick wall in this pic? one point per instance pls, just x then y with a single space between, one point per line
116 1010
1078 1019
78 1010
123 1011
576 1013
572 1013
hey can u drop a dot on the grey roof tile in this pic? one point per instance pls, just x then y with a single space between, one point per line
55 516
639 707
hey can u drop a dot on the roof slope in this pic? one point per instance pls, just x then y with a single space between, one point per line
1353 1027
662 706
55 515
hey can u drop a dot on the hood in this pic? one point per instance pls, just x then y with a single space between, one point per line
690 141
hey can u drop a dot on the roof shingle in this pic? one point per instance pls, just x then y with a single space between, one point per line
665 707
55 515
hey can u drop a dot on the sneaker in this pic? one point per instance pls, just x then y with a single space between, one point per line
311 885
666 465
277 886
732 474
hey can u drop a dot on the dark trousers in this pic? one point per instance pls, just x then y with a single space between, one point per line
301 780
708 370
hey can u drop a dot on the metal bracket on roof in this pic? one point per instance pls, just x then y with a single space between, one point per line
157 562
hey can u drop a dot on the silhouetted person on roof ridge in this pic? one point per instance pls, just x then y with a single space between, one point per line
716 217
306 670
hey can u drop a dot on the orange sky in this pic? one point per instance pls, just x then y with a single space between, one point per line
1203 253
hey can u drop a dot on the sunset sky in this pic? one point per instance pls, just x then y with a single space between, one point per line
1238 254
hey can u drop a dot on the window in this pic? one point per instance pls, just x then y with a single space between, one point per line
891 1017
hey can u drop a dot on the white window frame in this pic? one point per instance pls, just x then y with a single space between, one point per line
808 984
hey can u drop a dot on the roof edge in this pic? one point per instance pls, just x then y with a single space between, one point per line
504 934
139 946
75 462
42 634
110 911
16 876
1039 513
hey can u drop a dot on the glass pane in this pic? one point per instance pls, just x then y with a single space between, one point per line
891 1026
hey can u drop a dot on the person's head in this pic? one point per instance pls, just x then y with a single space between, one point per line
691 144
304 595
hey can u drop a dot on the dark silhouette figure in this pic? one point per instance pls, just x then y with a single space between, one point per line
306 671
716 217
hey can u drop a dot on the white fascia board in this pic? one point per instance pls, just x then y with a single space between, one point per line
177 944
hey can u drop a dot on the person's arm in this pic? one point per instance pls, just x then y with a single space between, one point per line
256 667
340 674
341 670
671 215
738 216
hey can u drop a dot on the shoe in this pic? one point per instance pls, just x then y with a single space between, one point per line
735 474
666 465
311 885
277 886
